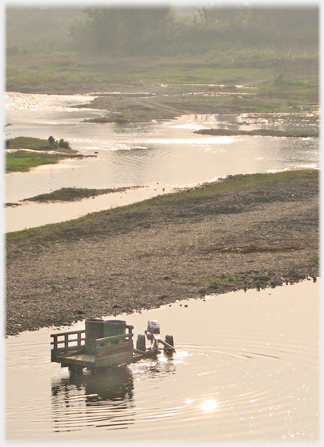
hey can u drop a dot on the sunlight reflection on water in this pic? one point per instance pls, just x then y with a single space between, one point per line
248 357
167 153
209 405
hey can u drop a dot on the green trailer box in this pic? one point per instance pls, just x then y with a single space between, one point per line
98 328
114 327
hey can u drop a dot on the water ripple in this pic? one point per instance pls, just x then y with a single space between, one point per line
253 380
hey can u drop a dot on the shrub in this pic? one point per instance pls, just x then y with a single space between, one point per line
64 144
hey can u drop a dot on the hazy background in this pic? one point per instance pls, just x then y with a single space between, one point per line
175 31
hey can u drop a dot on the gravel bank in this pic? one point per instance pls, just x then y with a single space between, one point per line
150 255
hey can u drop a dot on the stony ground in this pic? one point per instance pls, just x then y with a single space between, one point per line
154 254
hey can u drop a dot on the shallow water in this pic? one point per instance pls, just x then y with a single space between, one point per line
160 156
245 369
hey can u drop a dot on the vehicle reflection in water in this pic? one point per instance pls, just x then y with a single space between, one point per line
101 399
104 398
246 368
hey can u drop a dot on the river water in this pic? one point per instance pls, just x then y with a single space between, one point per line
246 368
246 364
158 156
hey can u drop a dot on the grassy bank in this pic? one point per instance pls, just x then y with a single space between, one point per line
95 222
23 161
74 194
74 73
247 231
225 83
28 152
236 182
38 144
260 132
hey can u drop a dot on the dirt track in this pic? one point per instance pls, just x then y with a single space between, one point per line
154 254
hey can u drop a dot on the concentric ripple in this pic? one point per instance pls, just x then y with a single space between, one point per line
245 368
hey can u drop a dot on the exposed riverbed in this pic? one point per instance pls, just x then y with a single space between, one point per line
246 363
148 255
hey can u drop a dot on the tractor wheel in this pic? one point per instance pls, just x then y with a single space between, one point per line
140 342
169 339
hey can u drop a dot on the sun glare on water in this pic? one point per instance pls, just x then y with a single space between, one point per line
209 405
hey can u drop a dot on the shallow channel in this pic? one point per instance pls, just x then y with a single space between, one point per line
246 368
158 156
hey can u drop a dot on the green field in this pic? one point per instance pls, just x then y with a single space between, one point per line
70 73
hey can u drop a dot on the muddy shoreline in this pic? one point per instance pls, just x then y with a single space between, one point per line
166 102
158 252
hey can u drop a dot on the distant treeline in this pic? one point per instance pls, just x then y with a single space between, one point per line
163 31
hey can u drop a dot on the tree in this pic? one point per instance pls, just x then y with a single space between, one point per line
122 31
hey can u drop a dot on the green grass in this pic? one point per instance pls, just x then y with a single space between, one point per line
262 132
234 182
65 195
22 161
72 72
37 144
71 194
64 230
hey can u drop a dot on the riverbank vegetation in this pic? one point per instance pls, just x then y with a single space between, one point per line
72 72
24 153
224 50
248 231
259 132
236 182
38 144
75 194
94 222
